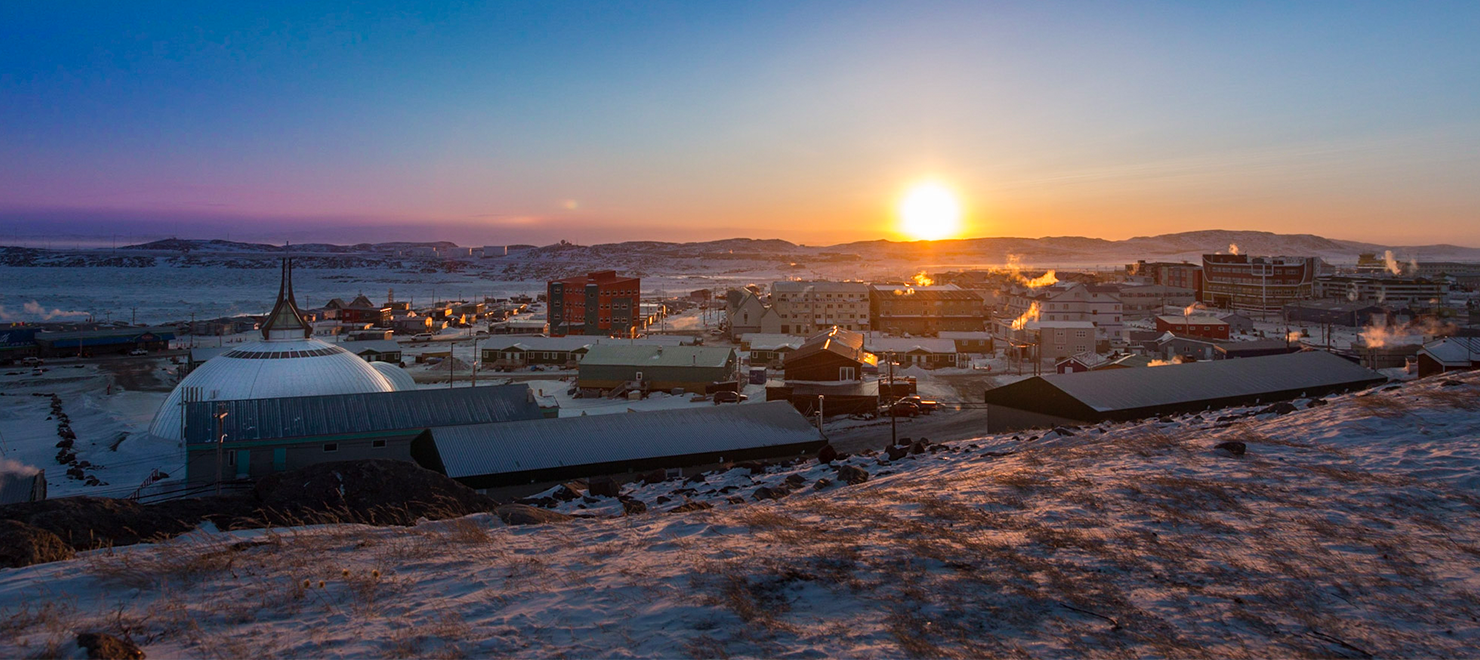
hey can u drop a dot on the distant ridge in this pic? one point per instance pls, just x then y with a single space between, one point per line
1050 249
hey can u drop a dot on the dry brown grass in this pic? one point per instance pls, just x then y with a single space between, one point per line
1383 405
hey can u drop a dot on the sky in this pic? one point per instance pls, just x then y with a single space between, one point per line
507 122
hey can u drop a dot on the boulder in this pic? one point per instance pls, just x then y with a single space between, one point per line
24 545
735 499
654 477
523 514
755 467
604 487
691 506
769 493
822 483
102 646
1281 408
919 447
632 507
827 454
1063 431
795 480
1317 402
697 479
852 475
896 453
567 492
1233 447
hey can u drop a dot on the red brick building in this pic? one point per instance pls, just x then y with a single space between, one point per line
600 303
1166 273
1207 327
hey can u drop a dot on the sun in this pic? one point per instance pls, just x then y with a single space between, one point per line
929 212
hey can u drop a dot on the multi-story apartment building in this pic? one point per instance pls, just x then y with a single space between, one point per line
1097 304
600 303
1417 292
1182 275
1147 300
925 310
806 308
1257 284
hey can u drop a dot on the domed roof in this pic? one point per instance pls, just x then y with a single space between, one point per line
285 363
398 377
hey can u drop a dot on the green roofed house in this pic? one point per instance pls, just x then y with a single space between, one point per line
653 368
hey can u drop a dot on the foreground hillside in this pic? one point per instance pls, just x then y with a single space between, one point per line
1344 529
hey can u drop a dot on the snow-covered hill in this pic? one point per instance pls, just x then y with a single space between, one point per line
1345 528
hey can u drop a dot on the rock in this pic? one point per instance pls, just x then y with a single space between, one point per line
769 493
566 492
822 483
852 475
603 487
632 507
1317 402
654 477
523 514
697 479
795 480
1281 408
1450 383
1233 447
692 506
827 454
662 499
896 453
1063 431
919 447
735 499
24 545
102 646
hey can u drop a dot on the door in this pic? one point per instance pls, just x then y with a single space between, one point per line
280 459
243 463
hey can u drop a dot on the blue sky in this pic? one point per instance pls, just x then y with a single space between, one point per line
495 122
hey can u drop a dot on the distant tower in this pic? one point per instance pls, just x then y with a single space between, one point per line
390 296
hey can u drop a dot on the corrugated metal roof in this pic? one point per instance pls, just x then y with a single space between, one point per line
908 344
484 449
293 417
18 487
658 356
1131 389
360 346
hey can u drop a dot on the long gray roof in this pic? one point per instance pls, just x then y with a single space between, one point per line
317 416
486 449
1133 389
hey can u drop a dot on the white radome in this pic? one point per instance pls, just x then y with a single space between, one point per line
286 362
398 377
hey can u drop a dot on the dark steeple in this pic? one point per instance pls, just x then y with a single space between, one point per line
285 321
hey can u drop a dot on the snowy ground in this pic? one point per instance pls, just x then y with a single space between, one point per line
1347 530
108 420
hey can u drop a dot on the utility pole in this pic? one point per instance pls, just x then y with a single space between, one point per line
475 360
893 419
220 442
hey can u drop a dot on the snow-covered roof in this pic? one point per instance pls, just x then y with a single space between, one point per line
771 341
377 345
956 334
658 356
1110 390
1195 319
398 377
514 447
1459 351
908 344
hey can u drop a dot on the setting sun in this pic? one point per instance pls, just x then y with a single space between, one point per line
930 211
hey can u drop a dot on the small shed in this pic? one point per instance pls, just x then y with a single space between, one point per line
375 350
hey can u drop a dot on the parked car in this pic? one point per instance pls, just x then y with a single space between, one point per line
925 405
903 409
138 351
425 336
726 396
31 361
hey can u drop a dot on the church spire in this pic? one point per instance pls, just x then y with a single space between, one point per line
285 321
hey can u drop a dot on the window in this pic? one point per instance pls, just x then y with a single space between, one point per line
331 446
845 373
377 444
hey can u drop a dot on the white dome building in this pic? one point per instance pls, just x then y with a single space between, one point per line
287 362
398 377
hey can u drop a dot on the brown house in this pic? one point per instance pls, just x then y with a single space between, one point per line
834 355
